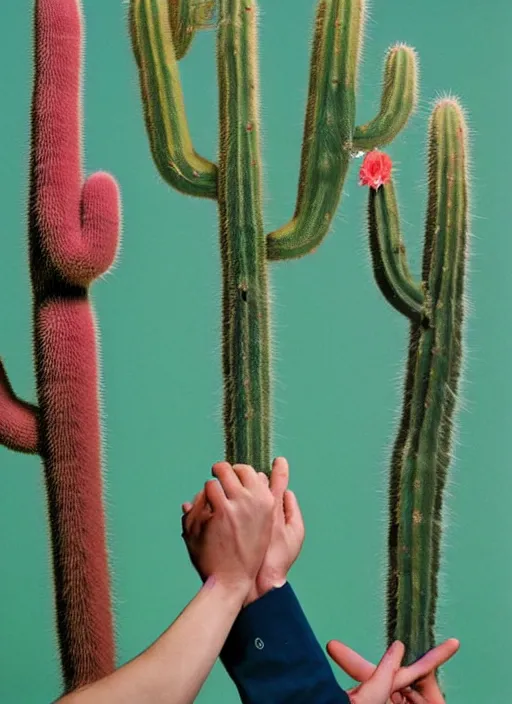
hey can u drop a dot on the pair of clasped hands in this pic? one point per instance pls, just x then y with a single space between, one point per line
246 531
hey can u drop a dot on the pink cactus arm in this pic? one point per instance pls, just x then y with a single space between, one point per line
18 419
78 225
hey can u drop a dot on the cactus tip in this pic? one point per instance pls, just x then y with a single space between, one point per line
447 102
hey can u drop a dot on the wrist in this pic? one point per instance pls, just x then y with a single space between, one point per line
262 586
233 591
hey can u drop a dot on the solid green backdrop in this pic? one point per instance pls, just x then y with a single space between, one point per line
339 348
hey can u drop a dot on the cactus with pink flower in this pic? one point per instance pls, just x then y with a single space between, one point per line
434 307
162 33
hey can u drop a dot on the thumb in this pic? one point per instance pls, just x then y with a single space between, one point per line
379 687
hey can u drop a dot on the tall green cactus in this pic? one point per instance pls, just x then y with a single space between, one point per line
435 307
161 32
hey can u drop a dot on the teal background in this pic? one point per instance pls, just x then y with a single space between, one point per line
339 348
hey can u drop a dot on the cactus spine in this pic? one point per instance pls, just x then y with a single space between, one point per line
330 136
73 238
435 307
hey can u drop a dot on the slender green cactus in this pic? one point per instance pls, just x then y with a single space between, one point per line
160 31
435 308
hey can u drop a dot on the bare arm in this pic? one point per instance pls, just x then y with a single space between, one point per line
228 547
174 668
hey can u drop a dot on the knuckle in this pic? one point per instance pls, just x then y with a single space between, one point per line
269 497
241 465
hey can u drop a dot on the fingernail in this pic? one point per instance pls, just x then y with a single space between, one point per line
395 647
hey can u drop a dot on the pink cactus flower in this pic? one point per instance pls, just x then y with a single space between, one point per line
375 170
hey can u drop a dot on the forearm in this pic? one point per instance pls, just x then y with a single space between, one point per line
174 668
272 655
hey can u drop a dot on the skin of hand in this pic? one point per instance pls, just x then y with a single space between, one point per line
287 535
227 532
421 674
285 544
227 542
379 687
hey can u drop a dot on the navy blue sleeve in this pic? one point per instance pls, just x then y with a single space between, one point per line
273 656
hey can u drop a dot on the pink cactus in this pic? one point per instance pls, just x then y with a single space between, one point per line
73 237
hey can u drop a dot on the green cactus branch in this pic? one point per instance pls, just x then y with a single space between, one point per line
181 19
422 451
330 135
390 266
164 105
399 98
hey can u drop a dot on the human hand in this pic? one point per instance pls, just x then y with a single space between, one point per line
421 673
426 691
378 688
227 529
287 534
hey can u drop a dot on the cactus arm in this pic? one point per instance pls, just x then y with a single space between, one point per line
18 419
425 459
187 16
246 346
329 133
78 226
398 101
164 106
328 129
182 27
390 266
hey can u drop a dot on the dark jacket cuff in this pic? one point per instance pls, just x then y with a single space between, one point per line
273 656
